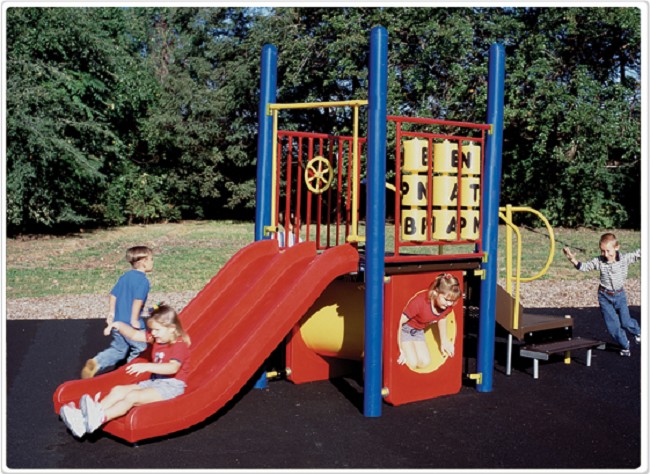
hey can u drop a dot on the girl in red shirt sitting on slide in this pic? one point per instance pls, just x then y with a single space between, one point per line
169 368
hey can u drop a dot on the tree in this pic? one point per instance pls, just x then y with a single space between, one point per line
151 113
67 111
572 138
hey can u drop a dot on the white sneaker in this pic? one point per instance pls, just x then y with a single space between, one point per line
92 412
74 420
637 339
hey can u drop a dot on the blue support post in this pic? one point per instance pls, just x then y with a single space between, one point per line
268 84
490 218
375 222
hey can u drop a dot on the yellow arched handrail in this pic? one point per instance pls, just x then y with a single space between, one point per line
508 218
505 213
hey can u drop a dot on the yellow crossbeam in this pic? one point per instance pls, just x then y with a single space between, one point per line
317 105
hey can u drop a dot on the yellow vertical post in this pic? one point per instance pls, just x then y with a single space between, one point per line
274 168
355 166
509 250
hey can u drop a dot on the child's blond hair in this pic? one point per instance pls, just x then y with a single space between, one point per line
137 253
607 238
166 316
445 284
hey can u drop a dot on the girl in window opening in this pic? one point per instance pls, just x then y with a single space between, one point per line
423 309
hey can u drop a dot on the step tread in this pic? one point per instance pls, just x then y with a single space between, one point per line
563 345
535 321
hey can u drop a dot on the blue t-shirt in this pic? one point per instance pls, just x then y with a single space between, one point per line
133 285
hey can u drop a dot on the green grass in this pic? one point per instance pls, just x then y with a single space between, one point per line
583 243
536 246
188 254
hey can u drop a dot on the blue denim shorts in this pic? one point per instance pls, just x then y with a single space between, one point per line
407 333
168 388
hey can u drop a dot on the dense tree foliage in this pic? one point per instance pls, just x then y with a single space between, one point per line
121 115
75 92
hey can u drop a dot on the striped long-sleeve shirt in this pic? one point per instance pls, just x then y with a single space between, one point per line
612 275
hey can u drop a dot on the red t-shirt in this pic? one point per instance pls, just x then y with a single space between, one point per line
178 351
420 313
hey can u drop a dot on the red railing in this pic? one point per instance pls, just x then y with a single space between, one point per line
460 219
325 214
323 211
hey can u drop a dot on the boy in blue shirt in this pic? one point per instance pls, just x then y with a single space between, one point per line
126 300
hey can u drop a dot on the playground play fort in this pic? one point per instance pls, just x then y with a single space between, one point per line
332 302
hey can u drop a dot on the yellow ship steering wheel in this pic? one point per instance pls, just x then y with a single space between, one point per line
318 175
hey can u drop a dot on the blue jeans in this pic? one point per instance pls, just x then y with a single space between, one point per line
121 348
617 317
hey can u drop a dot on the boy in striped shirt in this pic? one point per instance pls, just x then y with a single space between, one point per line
612 299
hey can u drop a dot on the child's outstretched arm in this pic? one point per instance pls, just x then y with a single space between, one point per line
446 346
130 332
632 256
165 368
570 256
111 314
135 313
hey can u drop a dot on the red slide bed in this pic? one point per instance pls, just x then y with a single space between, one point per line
235 323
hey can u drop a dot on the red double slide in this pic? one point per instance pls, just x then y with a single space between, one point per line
235 323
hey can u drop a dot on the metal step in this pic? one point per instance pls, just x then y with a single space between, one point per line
544 351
